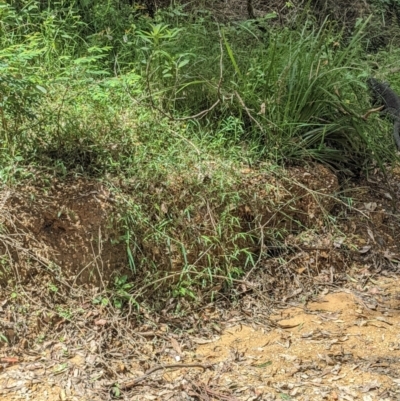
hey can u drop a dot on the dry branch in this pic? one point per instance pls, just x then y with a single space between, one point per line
134 382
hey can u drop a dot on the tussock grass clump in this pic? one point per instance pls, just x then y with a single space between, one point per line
209 225
298 94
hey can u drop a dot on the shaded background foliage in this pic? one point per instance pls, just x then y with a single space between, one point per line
183 62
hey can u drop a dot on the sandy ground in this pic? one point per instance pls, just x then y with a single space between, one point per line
336 348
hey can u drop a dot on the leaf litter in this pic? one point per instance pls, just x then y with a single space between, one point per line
292 332
314 352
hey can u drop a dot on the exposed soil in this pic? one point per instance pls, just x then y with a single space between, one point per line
336 348
63 226
70 228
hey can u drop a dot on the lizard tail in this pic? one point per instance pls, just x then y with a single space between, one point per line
396 133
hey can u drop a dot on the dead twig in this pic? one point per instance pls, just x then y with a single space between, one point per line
135 382
369 112
205 391
220 396
188 141
246 109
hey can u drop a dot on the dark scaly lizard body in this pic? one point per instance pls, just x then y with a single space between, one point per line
383 95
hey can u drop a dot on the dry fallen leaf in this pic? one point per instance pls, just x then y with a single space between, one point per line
164 208
382 319
370 206
288 326
175 346
9 359
63 396
204 340
364 249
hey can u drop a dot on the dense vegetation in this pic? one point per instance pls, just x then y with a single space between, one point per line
108 91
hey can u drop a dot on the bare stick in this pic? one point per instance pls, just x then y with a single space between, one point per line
248 112
189 142
369 112
203 391
139 379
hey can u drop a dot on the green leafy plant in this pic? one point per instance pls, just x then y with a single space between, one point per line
65 313
121 294
3 338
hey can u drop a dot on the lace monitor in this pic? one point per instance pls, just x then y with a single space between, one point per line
386 97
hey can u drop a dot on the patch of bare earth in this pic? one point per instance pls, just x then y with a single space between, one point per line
62 229
317 318
336 348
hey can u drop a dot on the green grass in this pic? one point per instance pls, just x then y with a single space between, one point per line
288 95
